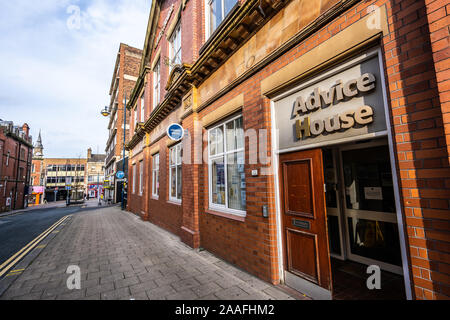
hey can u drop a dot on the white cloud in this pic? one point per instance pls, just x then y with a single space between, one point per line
57 79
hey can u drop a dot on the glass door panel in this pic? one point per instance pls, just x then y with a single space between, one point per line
372 232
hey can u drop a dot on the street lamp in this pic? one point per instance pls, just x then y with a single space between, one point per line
106 113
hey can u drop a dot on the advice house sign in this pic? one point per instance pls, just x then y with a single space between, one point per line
342 104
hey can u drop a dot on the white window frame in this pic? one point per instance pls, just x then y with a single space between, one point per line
141 177
134 179
208 32
224 155
143 107
155 176
175 52
177 165
156 84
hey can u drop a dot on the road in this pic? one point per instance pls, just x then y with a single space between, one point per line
18 230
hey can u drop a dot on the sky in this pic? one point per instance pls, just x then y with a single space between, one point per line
57 58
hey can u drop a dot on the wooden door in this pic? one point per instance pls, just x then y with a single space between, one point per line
304 218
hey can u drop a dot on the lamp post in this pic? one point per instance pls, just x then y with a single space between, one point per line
107 113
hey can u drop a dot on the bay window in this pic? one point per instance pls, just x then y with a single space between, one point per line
226 167
175 176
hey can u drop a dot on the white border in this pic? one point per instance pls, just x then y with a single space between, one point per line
218 207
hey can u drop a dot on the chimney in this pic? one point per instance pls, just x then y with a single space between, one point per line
89 154
26 130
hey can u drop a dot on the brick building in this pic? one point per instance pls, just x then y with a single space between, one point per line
37 182
15 165
95 173
316 139
126 72
65 172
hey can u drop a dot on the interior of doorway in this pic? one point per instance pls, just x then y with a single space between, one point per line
362 220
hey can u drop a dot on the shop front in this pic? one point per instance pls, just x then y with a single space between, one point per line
37 196
338 194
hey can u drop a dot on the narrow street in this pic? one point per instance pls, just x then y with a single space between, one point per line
19 229
123 257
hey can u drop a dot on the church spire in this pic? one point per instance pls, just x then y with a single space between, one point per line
38 148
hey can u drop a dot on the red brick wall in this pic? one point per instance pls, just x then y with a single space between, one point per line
420 150
36 176
162 212
129 65
10 172
438 15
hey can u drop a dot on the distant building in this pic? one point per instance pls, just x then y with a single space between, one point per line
63 177
37 183
125 75
95 172
15 165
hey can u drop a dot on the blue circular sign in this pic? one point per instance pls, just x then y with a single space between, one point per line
120 175
175 132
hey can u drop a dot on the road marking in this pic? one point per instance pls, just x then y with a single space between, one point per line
8 264
15 272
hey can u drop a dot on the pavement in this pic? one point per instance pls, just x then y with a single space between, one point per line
122 257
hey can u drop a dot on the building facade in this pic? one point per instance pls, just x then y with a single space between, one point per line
95 174
315 138
37 182
65 177
125 74
15 165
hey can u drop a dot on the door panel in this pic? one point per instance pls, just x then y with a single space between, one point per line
302 262
304 217
298 192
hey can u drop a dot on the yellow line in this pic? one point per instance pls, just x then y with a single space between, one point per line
29 244
19 255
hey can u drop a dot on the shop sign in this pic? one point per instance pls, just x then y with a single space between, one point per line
340 104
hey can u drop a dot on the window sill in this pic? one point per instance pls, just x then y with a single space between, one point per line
155 198
225 215
177 203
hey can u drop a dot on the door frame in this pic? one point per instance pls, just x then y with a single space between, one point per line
395 179
336 212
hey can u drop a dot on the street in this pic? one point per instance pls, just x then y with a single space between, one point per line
18 230
123 257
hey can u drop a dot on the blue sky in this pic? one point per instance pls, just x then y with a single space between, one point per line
56 66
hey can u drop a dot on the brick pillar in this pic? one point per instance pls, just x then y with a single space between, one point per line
190 230
147 179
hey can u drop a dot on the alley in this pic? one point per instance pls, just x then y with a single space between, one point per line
123 257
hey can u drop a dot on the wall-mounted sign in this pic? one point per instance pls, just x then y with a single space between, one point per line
175 132
340 104
164 26
120 175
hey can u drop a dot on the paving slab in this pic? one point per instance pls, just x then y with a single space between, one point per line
124 258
